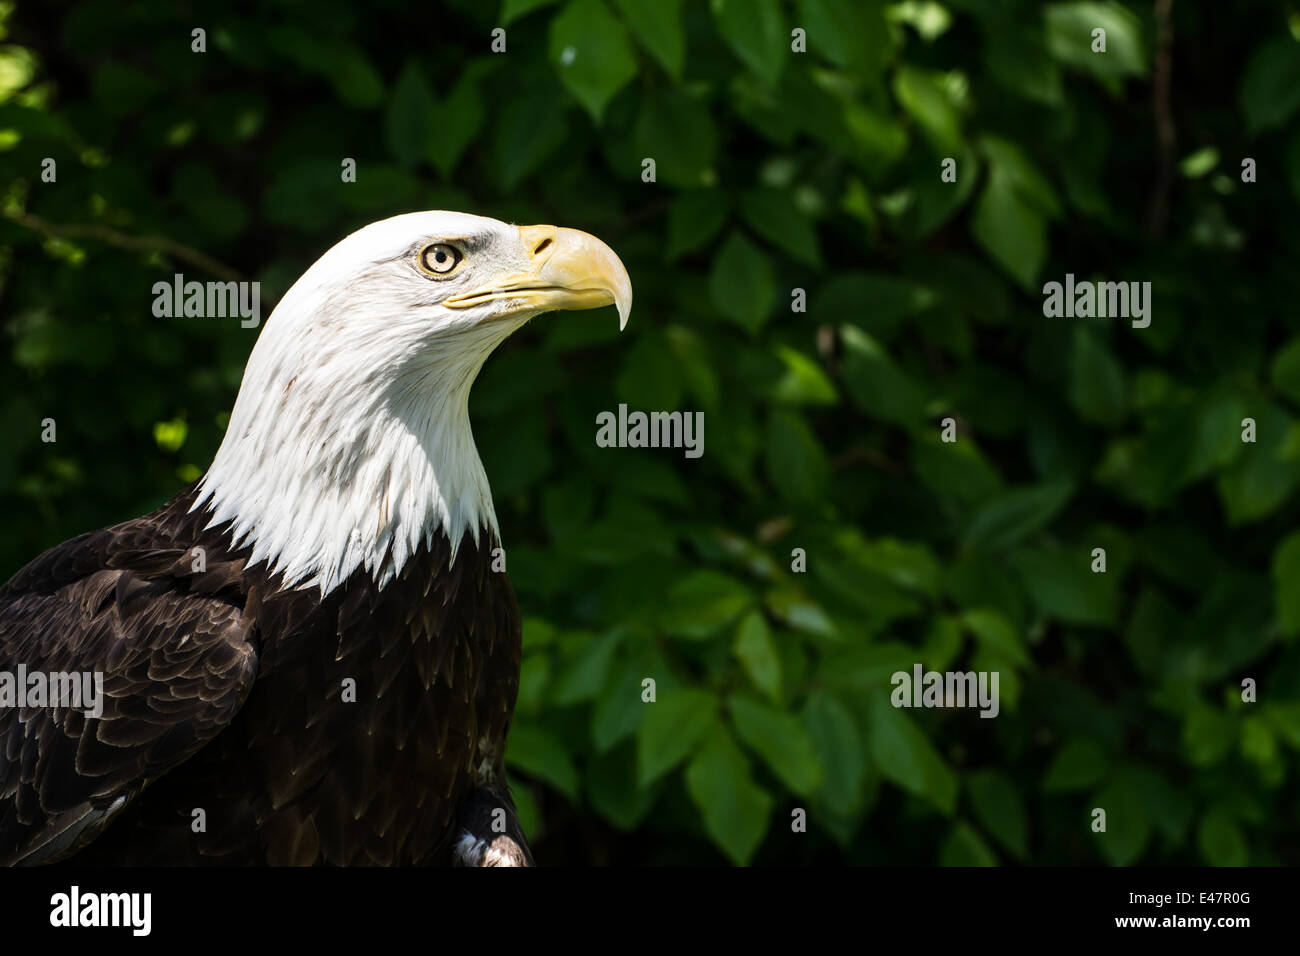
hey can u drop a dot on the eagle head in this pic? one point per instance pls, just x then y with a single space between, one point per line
349 443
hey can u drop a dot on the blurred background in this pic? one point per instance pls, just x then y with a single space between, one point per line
776 170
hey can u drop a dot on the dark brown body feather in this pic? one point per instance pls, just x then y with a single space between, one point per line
225 694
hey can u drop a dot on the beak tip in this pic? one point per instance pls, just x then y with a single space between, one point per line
583 264
622 294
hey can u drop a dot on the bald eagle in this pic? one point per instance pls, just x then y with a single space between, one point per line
307 656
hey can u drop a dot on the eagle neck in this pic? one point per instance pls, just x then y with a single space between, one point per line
321 474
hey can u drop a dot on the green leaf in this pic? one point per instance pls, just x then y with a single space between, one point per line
1285 373
943 642
651 375
905 755
1286 584
796 463
849 33
301 196
934 203
1198 163
455 121
1208 736
742 284
530 128
170 435
1016 514
956 470
1018 59
839 748
876 382
591 53
781 741
620 710
1063 585
355 79
1011 230
697 366
1285 719
1266 473
1128 824
755 31
658 25
613 791
527 810
17 67
794 610
1096 381
1011 162
999 808
219 212
869 667
514 9
537 632
585 675
380 186
1170 806
996 633
903 563
538 752
534 676
804 382
672 727
1078 765
965 847
1069 37
1270 86
757 652
929 20
925 100
1218 439
410 116
775 217
892 300
699 605
736 810
695 217
1259 743
677 132
1221 840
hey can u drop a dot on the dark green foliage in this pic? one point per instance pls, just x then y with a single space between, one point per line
775 171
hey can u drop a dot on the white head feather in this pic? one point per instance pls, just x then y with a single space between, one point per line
349 444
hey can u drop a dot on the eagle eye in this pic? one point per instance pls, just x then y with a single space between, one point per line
440 258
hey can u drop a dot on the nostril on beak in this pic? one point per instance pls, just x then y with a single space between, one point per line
542 246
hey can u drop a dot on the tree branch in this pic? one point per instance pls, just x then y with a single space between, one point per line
123 240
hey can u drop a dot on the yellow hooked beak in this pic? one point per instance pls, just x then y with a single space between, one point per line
568 269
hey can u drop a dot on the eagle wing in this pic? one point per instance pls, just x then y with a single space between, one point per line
171 636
